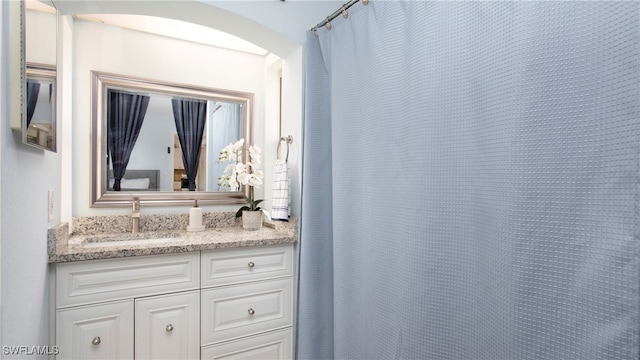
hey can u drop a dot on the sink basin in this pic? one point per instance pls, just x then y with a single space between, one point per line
117 240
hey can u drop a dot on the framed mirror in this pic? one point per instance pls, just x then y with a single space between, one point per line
38 123
159 142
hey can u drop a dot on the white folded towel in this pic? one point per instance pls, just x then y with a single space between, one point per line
280 205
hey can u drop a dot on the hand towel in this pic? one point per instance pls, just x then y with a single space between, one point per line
280 198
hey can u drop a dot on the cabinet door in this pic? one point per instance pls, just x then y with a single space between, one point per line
167 326
273 345
103 331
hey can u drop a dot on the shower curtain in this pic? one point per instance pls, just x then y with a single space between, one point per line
470 182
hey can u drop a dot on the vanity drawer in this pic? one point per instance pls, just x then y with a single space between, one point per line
272 345
232 266
110 279
240 310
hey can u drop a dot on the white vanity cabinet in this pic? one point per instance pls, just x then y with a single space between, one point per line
96 301
234 303
247 303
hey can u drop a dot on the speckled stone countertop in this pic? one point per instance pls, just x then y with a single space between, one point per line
104 237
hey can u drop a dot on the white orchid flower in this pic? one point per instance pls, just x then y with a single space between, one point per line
238 172
255 180
255 152
238 145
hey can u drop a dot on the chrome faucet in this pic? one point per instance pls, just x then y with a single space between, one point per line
135 216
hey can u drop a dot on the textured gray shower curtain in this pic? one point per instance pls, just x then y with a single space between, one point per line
470 182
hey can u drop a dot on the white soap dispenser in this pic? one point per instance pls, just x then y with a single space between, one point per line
195 218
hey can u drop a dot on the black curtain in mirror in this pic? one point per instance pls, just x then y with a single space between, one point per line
33 89
190 116
125 113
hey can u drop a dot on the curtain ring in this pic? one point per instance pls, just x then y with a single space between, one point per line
328 24
345 14
315 31
366 2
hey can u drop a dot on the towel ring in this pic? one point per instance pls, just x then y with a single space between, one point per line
288 140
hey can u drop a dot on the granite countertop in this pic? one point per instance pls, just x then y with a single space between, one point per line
91 238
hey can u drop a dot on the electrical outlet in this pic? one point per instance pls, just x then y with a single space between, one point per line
50 205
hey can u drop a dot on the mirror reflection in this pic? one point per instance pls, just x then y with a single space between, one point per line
39 122
41 32
154 139
157 142
39 104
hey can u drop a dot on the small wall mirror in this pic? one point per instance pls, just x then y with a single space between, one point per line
39 125
145 130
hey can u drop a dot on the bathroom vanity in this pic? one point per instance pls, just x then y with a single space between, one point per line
217 294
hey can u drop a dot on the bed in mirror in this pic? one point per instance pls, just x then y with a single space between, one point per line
159 142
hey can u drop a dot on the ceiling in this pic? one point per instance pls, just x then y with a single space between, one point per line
177 29
273 26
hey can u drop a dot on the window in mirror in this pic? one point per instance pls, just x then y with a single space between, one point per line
159 142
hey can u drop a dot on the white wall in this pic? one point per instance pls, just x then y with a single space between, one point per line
156 134
284 122
27 175
127 52
292 113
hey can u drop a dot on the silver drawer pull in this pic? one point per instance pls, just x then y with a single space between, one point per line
251 264
96 340
169 328
251 311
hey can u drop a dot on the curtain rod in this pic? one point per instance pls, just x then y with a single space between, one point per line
343 10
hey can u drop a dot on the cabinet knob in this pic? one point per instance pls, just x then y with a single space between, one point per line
251 264
251 311
96 340
169 328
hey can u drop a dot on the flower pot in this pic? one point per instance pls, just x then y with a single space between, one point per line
251 220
